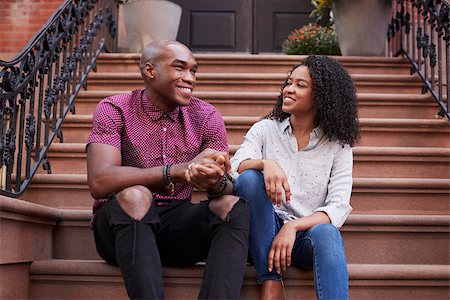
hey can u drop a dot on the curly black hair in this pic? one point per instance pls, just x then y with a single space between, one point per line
334 99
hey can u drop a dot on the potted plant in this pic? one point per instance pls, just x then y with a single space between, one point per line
312 39
361 25
149 20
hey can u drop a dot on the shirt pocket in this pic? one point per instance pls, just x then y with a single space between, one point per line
185 153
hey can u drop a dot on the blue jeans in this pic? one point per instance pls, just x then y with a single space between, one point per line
319 248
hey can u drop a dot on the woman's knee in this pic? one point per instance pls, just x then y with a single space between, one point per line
135 201
249 180
325 235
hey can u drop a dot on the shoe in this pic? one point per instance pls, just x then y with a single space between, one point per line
273 290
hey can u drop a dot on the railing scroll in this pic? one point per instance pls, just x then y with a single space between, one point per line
38 87
419 30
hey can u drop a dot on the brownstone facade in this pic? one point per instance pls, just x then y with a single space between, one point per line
21 19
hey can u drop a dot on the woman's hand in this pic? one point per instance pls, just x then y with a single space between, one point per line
281 251
275 181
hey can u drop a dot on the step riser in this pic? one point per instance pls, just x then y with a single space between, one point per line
401 201
370 136
184 289
205 67
396 167
364 244
16 283
280 64
49 287
251 86
363 199
231 107
24 238
259 108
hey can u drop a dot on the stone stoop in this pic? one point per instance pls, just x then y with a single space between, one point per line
257 103
374 131
396 162
26 235
368 238
397 238
261 63
84 279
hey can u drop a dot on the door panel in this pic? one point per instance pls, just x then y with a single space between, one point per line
216 25
240 25
275 19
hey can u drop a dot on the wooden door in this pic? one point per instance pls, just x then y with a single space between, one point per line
275 19
240 25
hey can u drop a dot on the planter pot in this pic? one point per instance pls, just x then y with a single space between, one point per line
362 26
150 20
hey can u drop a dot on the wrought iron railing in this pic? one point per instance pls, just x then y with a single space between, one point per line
39 86
419 30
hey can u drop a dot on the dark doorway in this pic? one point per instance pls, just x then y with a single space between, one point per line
240 25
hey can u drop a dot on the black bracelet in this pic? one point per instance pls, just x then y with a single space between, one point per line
167 180
219 190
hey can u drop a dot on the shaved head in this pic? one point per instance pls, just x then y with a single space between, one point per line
155 50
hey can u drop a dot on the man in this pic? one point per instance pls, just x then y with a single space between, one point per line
146 152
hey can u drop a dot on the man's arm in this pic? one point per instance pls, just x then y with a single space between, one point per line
106 175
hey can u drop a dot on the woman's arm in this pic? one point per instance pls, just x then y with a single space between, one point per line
337 202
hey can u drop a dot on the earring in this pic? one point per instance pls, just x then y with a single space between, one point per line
151 77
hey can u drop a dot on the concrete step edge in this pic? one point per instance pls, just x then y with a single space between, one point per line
420 183
264 58
135 76
353 219
357 150
25 208
356 271
364 122
265 96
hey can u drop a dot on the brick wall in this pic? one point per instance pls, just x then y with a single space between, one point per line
21 19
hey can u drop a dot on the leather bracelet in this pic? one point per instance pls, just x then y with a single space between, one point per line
167 180
219 190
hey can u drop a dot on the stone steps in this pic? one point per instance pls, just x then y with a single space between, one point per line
96 280
407 195
396 239
395 162
374 131
58 270
257 103
261 63
262 82
400 236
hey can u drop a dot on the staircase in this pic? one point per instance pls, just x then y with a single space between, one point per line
396 239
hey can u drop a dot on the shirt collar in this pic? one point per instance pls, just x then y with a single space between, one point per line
314 138
156 113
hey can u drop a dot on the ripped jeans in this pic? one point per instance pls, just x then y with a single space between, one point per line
177 233
319 248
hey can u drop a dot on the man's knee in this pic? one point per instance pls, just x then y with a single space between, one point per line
135 201
229 206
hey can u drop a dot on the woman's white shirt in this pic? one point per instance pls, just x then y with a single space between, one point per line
319 175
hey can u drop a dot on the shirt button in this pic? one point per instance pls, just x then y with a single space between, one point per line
164 156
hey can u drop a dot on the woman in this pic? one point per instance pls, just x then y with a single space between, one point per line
295 170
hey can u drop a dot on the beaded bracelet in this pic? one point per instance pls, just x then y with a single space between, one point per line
167 180
219 190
